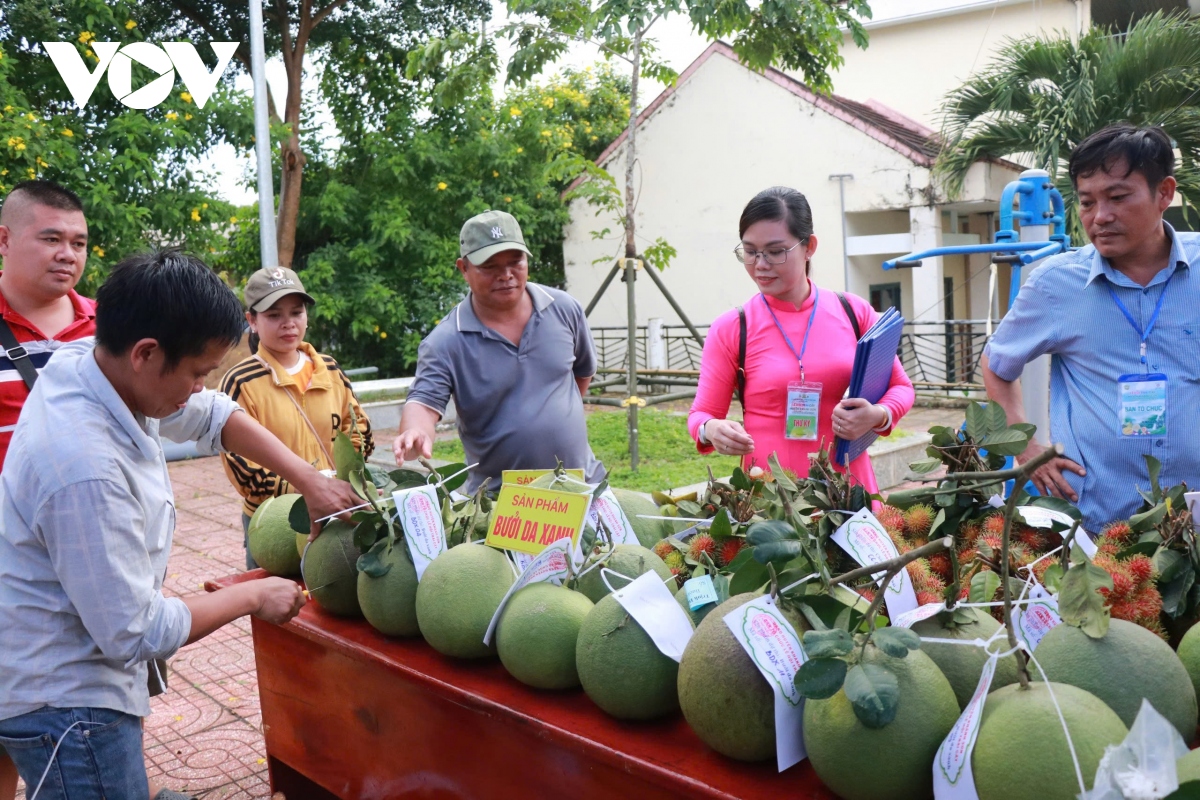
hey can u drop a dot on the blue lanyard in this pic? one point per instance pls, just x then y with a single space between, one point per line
1153 317
807 330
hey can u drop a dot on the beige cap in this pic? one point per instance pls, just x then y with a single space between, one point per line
267 285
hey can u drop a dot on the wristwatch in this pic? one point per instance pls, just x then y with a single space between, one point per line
700 432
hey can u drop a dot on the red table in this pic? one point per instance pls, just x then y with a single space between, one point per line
350 713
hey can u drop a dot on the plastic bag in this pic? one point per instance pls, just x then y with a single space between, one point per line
1143 766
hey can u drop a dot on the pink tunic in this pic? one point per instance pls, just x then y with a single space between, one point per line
770 365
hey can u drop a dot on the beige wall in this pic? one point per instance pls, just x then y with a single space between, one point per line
724 135
911 66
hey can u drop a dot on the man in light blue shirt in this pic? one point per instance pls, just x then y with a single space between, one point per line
1121 320
87 517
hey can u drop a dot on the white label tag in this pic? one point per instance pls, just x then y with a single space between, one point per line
996 501
1038 617
772 644
651 603
548 565
1038 517
420 517
910 618
1193 503
953 778
606 508
700 591
868 543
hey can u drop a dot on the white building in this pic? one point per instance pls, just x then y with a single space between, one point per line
724 132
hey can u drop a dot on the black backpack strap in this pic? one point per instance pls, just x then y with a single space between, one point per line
741 365
850 313
17 355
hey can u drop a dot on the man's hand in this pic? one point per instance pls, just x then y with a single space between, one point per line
411 445
728 437
325 496
1049 478
279 599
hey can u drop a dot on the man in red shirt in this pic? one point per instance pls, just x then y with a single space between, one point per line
43 241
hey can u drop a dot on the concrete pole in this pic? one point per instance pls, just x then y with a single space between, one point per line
262 141
1035 380
841 178
927 288
632 381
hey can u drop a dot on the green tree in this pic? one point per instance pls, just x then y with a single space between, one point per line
803 35
378 227
1043 95
363 36
133 169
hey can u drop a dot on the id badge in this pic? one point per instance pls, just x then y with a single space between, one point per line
803 403
1143 404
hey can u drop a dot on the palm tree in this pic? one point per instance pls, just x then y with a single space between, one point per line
1043 95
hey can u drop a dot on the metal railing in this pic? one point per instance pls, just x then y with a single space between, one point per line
940 357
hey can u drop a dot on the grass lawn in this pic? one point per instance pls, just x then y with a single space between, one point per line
668 456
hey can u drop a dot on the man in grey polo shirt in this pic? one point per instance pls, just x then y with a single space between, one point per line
515 356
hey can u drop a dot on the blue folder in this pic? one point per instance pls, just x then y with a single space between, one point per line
872 374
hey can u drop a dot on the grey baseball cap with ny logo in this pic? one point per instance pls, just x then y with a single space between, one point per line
267 285
489 233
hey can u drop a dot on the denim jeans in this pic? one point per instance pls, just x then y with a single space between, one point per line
246 541
100 757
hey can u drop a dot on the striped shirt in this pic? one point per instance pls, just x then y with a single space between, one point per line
13 392
1066 309
87 518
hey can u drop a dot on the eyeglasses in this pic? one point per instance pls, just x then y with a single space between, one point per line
772 255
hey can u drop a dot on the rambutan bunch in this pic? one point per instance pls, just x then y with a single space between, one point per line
968 533
1133 596
702 544
728 550
892 520
917 522
663 549
675 560
927 584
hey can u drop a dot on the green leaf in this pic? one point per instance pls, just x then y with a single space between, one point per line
661 499
977 423
407 478
774 551
739 480
1052 578
827 644
366 532
984 586
721 528
1154 467
371 562
345 457
1054 504
770 531
749 578
781 477
924 465
298 517
1186 791
1005 443
997 420
741 559
909 497
1140 523
1175 593
874 694
1080 602
896 642
1168 564
452 476
820 678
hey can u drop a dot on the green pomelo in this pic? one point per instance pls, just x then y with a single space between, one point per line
630 560
459 592
1021 752
1189 654
724 697
621 669
301 541
1121 668
272 540
1187 768
389 602
649 531
331 570
960 664
538 633
700 613
902 751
